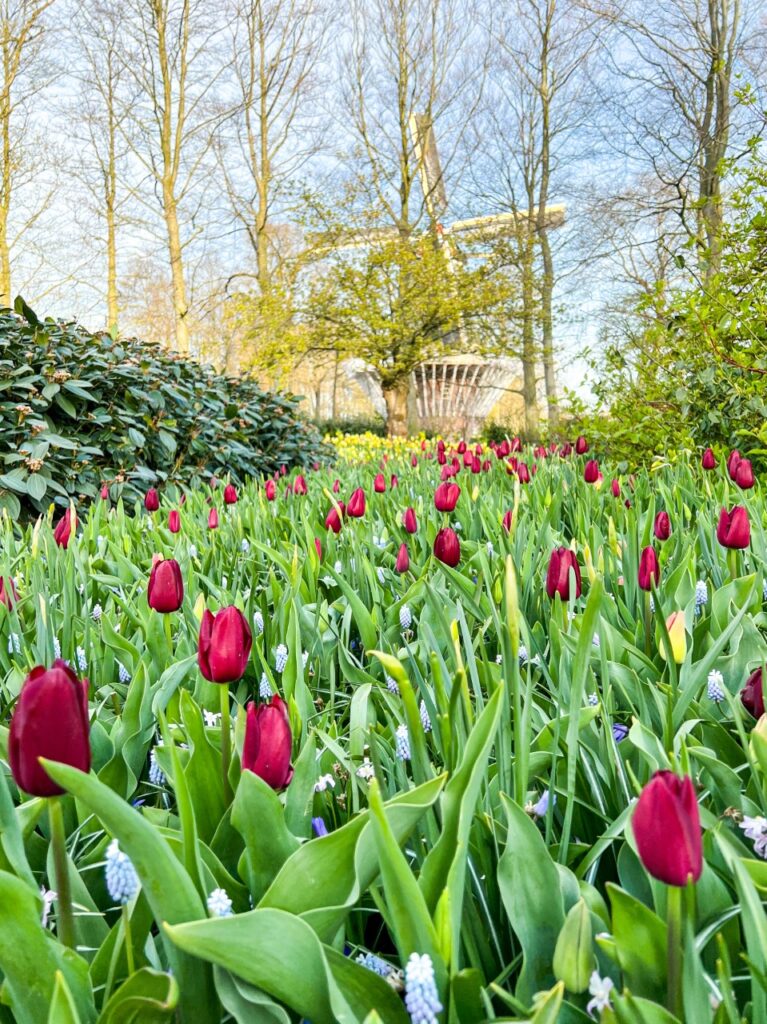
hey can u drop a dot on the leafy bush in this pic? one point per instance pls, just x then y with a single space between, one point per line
353 425
80 409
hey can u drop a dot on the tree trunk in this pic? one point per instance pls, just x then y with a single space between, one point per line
529 390
396 408
547 327
180 306
5 261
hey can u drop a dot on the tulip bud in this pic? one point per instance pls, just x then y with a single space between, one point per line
666 826
199 607
174 521
447 547
268 743
732 463
744 475
270 490
590 571
336 486
573 954
356 506
213 519
409 520
394 481
50 720
615 487
752 696
591 471
709 459
649 569
523 473
165 591
446 496
581 445
104 492
230 494
151 500
318 547
224 645
677 635
506 521
65 528
561 563
662 526
379 484
333 519
414 461
733 529
299 485
403 559
461 447
8 594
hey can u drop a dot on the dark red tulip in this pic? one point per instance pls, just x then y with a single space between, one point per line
562 561
336 486
744 474
268 743
50 720
224 645
441 457
165 591
512 465
447 547
318 547
581 445
394 480
734 529
662 526
283 470
356 506
413 461
230 494
213 519
104 492
709 459
732 463
591 471
666 826
446 496
752 696
566 450
486 465
403 559
174 521
507 517
516 445
409 520
151 500
615 487
299 486
333 520
8 594
523 473
468 458
649 568
379 484
271 490
65 527
476 465
440 445
461 447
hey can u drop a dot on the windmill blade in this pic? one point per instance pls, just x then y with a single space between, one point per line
498 224
352 238
429 166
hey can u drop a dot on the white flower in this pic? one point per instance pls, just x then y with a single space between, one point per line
304 657
381 575
245 548
380 542
156 774
490 549
122 673
14 643
425 720
323 782
756 830
212 718
402 741
265 687
595 641
97 612
192 551
701 594
280 658
219 903
499 659
599 990
715 686
652 603
56 647
522 654
392 686
121 878
339 566
258 621
48 896
458 526
421 996
82 661
366 769
405 617
593 700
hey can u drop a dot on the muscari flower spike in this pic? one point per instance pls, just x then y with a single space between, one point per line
715 686
281 658
219 903
405 617
402 741
121 878
421 996
156 774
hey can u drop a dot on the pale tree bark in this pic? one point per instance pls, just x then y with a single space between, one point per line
396 398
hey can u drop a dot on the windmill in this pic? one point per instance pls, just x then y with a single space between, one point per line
462 388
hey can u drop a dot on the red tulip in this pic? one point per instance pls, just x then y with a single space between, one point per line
666 826
516 445
409 521
299 486
165 591
752 696
50 720
446 497
403 559
486 465
591 471
461 447
151 500
566 450
441 457
213 519
318 547
271 490
174 521
733 529
65 527
581 445
8 593
709 459
732 463
413 461
468 458
512 465
379 484
356 506
744 474
662 526
268 743
283 470
336 486
507 517
561 563
649 569
524 473
394 480
333 519
230 494
616 488
224 645
447 547
104 492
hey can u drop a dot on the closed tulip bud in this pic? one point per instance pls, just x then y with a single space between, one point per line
403 559
506 521
591 471
709 459
516 445
283 470
662 526
468 458
379 484
230 494
446 496
299 486
356 506
213 519
409 520
649 569
214 482
394 481
512 465
104 492
271 490
151 500
732 463
65 528
447 547
615 487
590 571
666 826
50 720
333 519
581 445
413 461
561 563
734 529
224 645
752 696
486 465
174 521
573 955
744 475
461 447
476 465
165 591
441 457
8 594
565 451
199 607
318 547
677 635
336 486
523 473
268 743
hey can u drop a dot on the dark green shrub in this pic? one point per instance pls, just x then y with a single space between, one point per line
80 409
353 425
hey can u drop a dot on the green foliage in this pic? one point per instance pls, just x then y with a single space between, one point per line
353 425
80 409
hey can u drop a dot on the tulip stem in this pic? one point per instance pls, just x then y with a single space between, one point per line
65 926
647 622
128 940
674 961
732 562
226 742
168 637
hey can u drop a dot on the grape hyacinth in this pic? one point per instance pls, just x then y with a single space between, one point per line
392 685
376 964
405 618
82 661
258 621
56 647
402 743
245 545
701 594
381 575
122 673
319 827
97 612
281 658
14 644
522 654
121 878
490 549
593 700
425 720
265 687
715 686
421 996
219 903
756 830
156 774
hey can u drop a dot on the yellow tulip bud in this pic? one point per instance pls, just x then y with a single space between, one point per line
612 537
475 494
199 607
589 564
677 635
